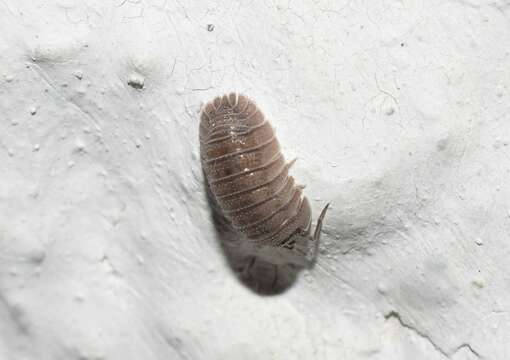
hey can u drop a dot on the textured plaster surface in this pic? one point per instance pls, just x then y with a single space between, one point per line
396 110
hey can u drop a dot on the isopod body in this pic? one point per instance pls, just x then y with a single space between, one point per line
249 180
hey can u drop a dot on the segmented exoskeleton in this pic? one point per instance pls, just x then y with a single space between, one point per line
250 182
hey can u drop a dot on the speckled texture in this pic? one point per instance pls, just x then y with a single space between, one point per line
397 113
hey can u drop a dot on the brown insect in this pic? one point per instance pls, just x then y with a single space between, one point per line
249 179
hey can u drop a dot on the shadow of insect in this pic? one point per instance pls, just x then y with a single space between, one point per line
260 276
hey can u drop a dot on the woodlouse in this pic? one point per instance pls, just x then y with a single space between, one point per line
249 180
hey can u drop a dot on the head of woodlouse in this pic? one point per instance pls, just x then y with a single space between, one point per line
301 247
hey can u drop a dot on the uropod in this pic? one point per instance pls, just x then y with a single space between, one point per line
249 180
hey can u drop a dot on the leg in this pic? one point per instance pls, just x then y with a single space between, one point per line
275 280
245 273
318 227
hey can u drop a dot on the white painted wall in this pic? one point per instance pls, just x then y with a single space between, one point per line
397 111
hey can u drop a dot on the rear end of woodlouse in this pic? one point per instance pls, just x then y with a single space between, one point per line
249 181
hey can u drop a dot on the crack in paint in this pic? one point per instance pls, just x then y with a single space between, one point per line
395 315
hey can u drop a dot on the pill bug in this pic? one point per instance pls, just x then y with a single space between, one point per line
249 180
